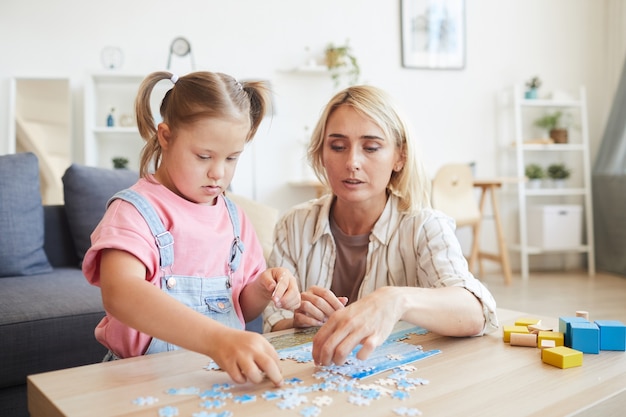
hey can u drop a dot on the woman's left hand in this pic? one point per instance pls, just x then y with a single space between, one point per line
368 322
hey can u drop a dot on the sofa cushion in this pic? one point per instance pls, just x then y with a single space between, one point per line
86 191
21 217
47 322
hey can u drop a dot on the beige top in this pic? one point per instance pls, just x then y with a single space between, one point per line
416 249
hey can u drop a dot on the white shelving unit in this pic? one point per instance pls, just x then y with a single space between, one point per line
104 91
574 153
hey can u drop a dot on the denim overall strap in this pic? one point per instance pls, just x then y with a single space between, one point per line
237 247
163 238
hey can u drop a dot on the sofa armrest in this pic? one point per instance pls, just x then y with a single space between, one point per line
58 243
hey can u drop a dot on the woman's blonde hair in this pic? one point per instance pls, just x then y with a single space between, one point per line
195 96
410 184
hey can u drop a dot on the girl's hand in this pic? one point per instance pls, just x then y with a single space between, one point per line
368 322
317 306
283 288
246 357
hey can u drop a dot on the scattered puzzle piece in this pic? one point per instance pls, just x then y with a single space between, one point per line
403 411
168 411
310 411
145 400
324 400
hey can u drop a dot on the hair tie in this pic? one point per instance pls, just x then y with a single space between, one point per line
239 85
174 78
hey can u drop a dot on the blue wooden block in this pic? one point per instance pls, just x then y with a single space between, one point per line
585 337
564 327
612 335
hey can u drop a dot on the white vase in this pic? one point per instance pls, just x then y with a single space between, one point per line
534 183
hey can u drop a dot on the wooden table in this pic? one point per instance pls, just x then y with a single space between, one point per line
470 377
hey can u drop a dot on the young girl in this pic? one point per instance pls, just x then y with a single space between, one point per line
177 263
373 252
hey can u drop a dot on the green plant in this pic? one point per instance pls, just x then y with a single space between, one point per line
340 61
120 162
534 82
534 172
550 121
558 172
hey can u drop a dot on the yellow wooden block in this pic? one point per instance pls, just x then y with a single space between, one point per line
562 357
507 330
558 338
526 321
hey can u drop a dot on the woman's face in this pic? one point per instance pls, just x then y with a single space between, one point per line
199 163
357 157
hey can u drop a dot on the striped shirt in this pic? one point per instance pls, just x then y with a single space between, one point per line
410 249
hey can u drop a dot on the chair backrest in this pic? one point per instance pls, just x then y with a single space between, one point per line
453 194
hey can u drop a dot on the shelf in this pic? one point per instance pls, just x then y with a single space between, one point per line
576 153
116 130
554 191
549 103
553 147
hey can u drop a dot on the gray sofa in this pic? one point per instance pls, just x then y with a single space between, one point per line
48 310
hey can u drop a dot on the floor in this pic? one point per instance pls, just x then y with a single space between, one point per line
557 294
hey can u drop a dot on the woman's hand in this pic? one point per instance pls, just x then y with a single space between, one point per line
246 356
368 321
317 305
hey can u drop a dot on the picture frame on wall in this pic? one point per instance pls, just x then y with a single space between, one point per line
433 34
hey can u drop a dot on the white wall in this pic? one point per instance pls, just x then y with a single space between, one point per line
453 112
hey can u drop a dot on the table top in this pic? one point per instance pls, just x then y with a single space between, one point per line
470 376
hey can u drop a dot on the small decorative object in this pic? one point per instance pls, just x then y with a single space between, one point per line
532 87
127 120
535 174
112 57
554 125
180 47
558 173
341 62
119 162
110 118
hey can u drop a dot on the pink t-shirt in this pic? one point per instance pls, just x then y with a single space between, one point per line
203 236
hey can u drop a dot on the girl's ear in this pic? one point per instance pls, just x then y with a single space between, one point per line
164 135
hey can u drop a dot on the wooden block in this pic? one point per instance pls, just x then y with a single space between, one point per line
536 328
583 314
507 330
612 335
564 323
562 357
556 336
585 337
521 339
526 321
546 343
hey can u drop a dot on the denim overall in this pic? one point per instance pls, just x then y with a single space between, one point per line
211 296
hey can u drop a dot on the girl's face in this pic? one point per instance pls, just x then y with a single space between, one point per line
357 156
198 163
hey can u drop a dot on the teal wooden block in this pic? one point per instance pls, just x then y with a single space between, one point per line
585 337
612 335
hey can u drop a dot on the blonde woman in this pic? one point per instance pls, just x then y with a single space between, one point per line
372 252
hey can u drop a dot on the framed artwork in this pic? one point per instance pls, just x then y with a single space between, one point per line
433 34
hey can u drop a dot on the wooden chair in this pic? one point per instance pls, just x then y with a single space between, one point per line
453 194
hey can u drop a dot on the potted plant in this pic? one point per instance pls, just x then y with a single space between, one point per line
554 124
340 61
532 87
535 173
119 162
558 173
